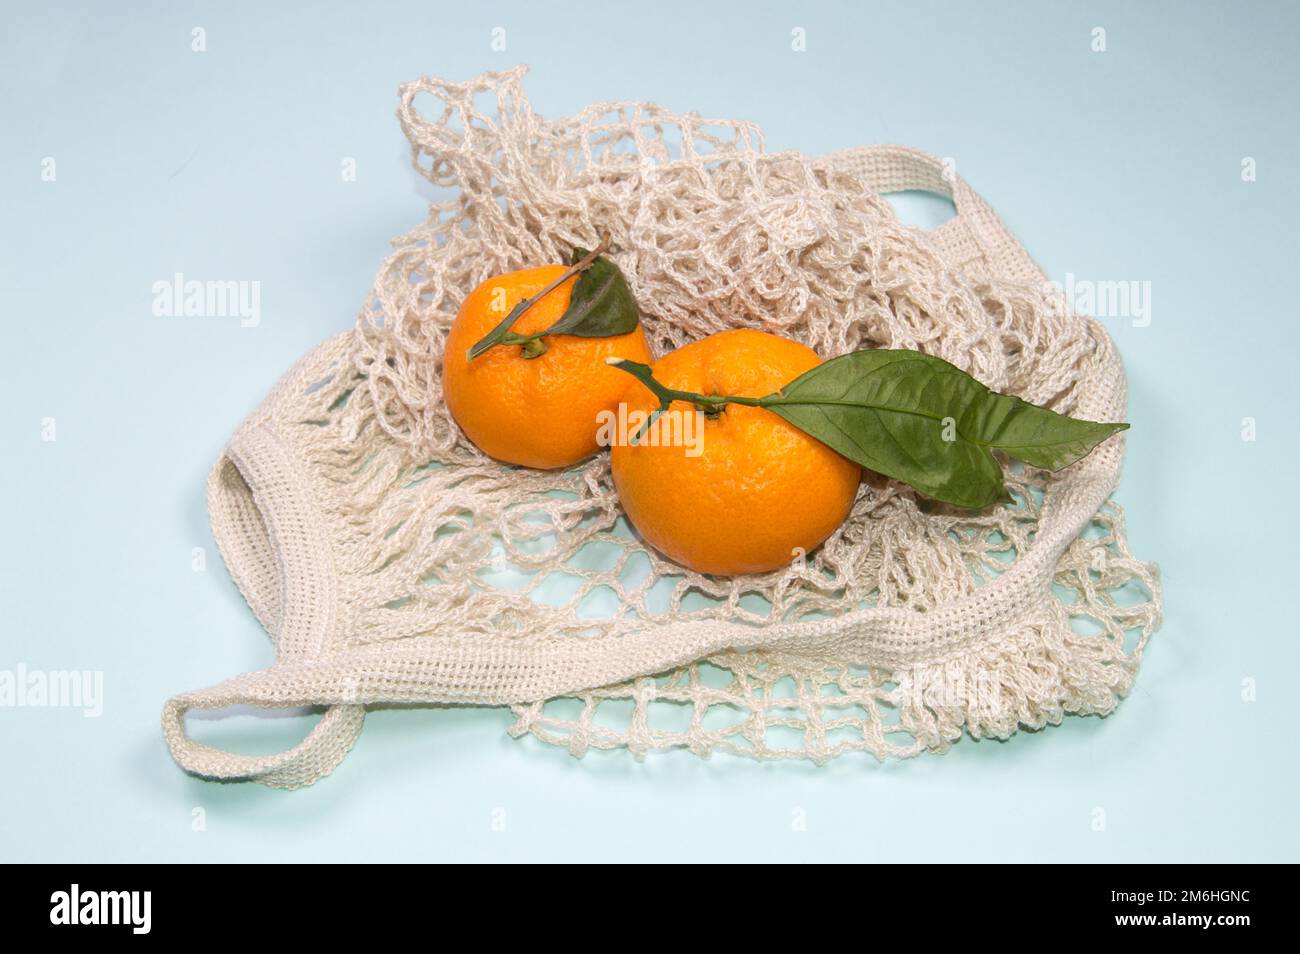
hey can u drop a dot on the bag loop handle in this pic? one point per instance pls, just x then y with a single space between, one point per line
975 232
290 582
310 760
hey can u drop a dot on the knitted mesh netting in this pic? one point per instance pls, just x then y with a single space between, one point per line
393 562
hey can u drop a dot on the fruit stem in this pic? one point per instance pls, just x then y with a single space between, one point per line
496 335
533 347
666 395
710 404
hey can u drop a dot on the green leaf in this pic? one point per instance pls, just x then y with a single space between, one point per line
601 306
918 419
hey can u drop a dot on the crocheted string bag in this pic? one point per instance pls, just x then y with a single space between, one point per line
392 562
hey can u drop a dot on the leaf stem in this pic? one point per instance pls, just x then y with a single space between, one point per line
711 404
667 395
532 344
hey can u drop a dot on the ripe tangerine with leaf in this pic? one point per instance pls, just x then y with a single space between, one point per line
531 399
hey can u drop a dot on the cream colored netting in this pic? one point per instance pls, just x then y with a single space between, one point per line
459 579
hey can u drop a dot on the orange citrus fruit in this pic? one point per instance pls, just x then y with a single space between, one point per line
758 491
541 411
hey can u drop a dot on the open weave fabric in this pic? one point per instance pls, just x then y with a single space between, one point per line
393 563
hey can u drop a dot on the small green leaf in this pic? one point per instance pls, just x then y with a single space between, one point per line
918 419
601 304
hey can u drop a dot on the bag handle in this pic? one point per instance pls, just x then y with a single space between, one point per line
975 236
259 487
310 760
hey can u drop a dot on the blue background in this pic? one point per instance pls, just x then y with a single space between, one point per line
1122 165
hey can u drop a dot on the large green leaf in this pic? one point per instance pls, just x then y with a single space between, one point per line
923 421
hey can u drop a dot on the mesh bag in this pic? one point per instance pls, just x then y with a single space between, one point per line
393 563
